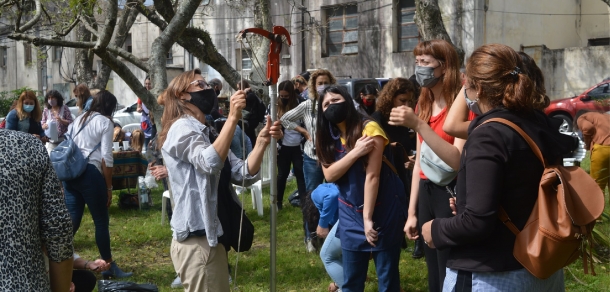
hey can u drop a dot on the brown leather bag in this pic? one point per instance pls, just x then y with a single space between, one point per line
561 222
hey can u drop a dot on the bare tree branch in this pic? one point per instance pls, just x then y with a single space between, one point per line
162 44
68 29
165 9
83 19
153 17
106 34
38 41
121 31
607 2
130 79
32 21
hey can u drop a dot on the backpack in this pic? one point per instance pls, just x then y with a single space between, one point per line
67 159
561 222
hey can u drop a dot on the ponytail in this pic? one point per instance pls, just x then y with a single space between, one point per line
519 95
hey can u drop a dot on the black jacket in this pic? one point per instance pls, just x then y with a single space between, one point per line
497 168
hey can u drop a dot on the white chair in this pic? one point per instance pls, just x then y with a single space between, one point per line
164 206
130 127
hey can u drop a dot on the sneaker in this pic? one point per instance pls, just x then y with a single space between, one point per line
176 284
310 247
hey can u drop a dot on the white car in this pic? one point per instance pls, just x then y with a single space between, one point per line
123 116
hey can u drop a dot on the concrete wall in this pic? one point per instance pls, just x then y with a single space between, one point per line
17 73
570 71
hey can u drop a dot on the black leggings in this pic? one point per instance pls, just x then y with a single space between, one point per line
433 202
288 155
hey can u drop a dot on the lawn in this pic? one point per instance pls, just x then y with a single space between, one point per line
140 244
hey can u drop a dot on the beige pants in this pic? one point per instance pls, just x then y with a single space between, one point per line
201 268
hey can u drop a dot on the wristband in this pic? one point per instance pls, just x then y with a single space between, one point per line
110 188
86 263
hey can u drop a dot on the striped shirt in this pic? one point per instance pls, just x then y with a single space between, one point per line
193 166
306 111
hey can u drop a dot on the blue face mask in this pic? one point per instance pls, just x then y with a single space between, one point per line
28 108
473 105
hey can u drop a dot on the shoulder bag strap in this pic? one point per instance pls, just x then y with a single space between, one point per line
83 126
502 215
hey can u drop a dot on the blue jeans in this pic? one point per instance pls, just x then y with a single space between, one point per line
517 280
313 178
90 188
313 173
356 263
331 256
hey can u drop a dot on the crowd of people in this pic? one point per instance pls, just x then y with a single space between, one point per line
413 158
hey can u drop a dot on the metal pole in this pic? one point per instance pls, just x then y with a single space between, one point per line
273 187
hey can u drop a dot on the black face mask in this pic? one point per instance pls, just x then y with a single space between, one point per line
217 92
336 112
203 100
284 101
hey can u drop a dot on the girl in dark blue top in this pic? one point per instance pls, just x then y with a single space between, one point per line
371 200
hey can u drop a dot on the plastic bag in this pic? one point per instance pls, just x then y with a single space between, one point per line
150 180
120 286
51 131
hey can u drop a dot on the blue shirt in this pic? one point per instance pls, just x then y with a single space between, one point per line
325 198
88 104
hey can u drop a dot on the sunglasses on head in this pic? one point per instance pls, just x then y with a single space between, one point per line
201 83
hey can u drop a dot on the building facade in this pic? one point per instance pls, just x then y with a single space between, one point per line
569 39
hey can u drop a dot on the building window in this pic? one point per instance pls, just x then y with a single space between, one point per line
27 53
128 43
342 32
3 56
246 59
599 42
57 53
408 33
170 58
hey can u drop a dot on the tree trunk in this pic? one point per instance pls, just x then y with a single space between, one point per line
120 34
260 45
430 22
83 65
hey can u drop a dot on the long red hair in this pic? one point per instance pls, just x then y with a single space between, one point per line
444 52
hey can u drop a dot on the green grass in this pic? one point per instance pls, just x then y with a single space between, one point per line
140 244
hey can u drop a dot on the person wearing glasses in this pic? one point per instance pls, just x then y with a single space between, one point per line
197 162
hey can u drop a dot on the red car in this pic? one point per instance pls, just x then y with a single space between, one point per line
596 98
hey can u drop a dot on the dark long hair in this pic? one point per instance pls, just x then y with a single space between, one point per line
54 93
293 101
366 90
325 143
104 103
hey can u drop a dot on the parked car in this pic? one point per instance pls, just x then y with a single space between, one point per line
383 81
123 116
354 85
596 98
